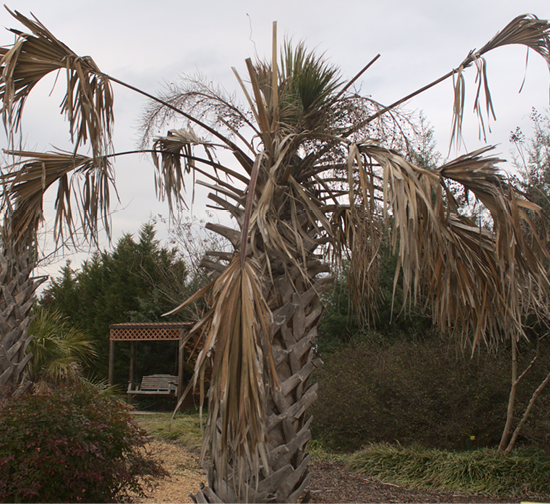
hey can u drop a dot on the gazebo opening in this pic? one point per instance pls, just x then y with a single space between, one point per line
157 384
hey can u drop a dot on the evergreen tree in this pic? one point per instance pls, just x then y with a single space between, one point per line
135 282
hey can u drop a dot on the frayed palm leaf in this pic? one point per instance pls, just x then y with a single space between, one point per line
27 181
526 30
480 176
88 102
470 270
178 144
236 332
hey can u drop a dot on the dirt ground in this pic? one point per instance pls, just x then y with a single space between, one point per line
330 482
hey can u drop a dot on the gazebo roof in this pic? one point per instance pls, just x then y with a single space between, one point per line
147 331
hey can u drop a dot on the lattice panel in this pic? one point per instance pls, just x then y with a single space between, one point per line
150 331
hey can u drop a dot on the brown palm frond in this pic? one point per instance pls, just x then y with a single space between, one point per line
526 30
88 102
475 293
512 226
465 287
237 345
236 332
169 176
470 270
26 185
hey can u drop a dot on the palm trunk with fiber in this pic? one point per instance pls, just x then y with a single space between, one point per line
17 296
293 297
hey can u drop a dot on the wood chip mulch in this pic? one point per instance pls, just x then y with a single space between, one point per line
330 482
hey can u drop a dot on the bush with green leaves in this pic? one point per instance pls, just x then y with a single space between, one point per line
372 390
71 445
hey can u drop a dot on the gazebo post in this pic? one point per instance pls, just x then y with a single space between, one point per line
132 365
180 367
111 362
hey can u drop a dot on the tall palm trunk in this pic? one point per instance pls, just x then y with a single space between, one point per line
293 296
17 296
296 323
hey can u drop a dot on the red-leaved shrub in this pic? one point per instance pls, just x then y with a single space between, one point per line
71 445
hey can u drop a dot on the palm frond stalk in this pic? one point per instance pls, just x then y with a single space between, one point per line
334 176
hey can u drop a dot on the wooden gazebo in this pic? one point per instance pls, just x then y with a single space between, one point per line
151 331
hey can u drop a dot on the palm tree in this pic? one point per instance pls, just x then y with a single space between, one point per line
316 178
59 350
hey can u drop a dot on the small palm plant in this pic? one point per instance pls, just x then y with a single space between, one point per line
316 177
59 350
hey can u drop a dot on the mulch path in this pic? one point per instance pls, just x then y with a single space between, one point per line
330 482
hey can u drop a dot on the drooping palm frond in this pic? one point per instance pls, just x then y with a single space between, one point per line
26 182
526 30
88 102
236 332
178 144
480 281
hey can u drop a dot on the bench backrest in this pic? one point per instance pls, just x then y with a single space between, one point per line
159 382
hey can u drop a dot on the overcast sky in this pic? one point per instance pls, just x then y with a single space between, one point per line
147 43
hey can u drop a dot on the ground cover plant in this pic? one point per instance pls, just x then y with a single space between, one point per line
524 472
71 445
185 429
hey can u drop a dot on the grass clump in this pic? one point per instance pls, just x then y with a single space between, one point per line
321 453
184 429
524 472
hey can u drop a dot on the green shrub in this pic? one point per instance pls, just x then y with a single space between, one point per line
522 473
420 392
71 445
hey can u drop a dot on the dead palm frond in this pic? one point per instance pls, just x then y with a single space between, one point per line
236 334
463 269
27 181
88 101
526 30
174 147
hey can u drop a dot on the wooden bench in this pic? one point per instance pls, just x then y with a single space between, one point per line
159 384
